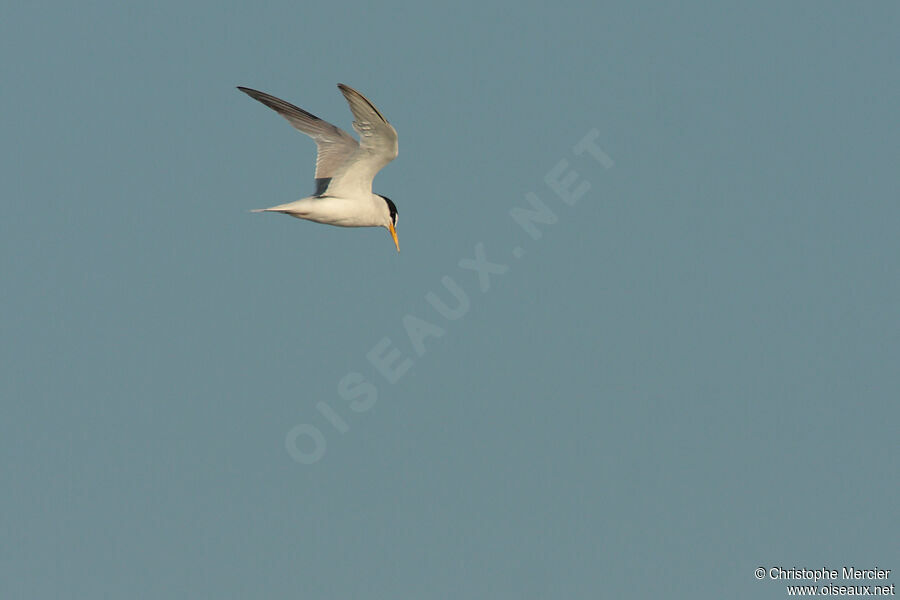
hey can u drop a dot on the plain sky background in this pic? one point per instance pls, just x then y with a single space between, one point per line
693 373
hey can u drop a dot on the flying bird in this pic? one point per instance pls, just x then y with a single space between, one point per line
345 168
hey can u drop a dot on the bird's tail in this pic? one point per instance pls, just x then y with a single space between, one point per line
282 208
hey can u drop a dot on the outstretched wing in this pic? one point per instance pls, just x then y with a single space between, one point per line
334 144
377 147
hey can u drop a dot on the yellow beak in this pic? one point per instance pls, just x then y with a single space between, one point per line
394 235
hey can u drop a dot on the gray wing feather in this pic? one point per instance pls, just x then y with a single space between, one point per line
334 144
377 146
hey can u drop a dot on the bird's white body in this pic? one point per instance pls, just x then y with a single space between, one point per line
333 210
345 168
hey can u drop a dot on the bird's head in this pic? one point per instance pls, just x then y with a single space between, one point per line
390 219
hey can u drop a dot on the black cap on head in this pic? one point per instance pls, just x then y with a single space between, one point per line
392 208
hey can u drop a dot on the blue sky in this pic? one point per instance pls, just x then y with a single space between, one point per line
689 374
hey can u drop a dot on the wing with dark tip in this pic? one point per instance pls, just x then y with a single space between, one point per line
377 147
334 144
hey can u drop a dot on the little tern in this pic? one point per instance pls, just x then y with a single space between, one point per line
345 168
